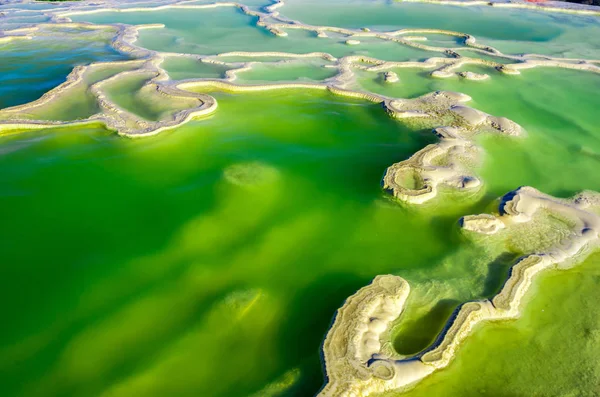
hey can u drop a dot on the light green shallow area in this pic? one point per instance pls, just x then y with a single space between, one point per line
211 31
77 102
562 138
210 260
253 4
551 351
287 72
512 31
188 68
385 15
136 94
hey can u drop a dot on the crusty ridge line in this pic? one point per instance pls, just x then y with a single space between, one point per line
127 36
355 367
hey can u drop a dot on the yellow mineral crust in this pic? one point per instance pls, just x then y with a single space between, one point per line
390 77
6 37
355 338
358 358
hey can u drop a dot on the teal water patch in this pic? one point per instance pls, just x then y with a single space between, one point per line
255 4
32 67
17 21
30 6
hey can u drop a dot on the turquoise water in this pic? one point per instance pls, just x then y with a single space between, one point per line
23 80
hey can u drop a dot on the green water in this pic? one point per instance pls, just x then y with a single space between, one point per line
225 29
209 260
385 15
77 102
550 351
135 95
510 30
163 257
556 128
287 72
188 68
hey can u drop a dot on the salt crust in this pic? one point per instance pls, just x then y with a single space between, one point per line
357 351
131 125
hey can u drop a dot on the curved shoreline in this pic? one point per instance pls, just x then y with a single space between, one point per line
118 119
358 368
447 163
